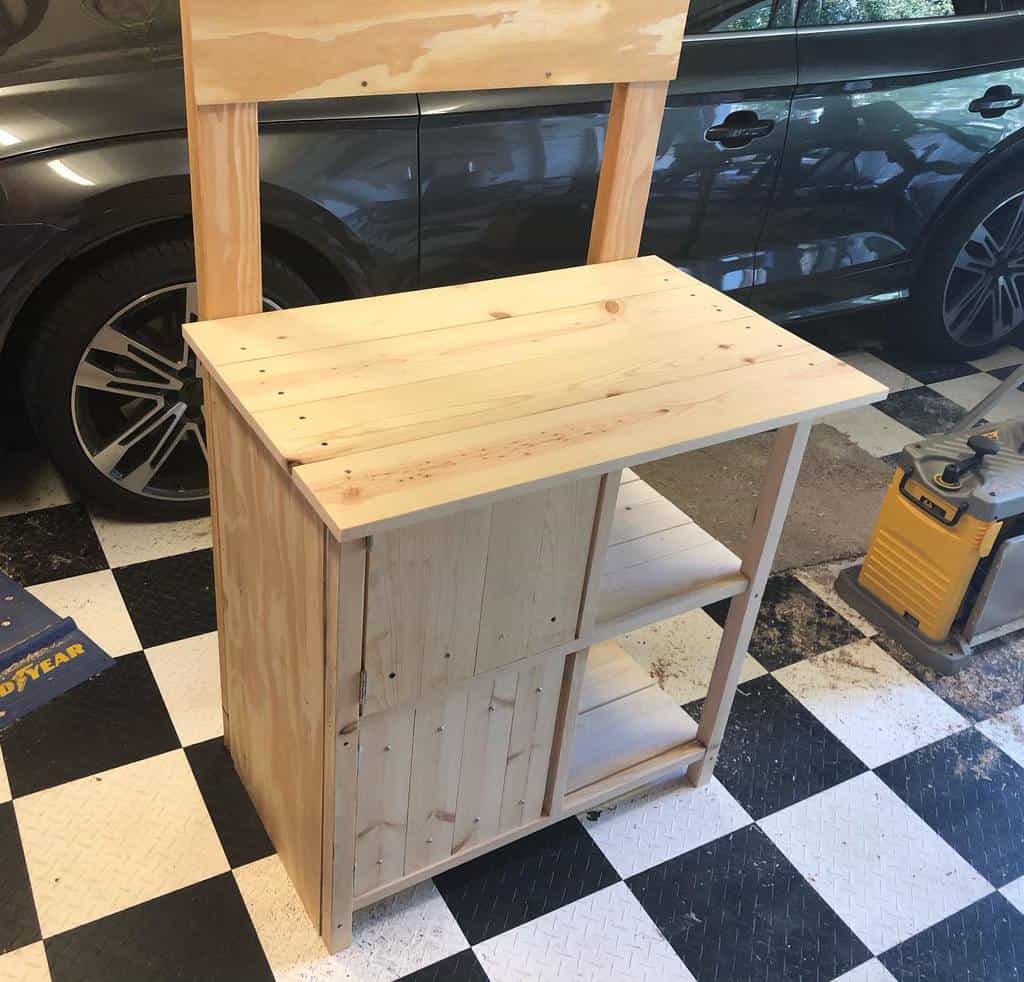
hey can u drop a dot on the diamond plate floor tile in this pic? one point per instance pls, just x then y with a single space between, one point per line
606 937
187 673
200 933
972 794
125 543
880 370
19 925
171 598
872 431
872 704
879 866
736 910
821 580
775 751
112 719
238 825
463 967
523 880
641 832
1008 356
680 654
96 605
390 939
1014 892
29 482
49 544
872 971
27 964
984 943
970 390
926 369
103 843
1006 731
922 410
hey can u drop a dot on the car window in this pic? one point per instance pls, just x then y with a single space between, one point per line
722 16
827 12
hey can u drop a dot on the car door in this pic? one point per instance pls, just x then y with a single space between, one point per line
508 178
898 100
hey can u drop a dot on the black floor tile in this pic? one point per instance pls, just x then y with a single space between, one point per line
1005 372
924 410
199 934
775 752
169 599
794 623
113 719
49 544
736 910
992 682
241 832
981 943
462 967
525 880
926 370
972 794
19 925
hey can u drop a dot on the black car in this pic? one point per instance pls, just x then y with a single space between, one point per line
816 156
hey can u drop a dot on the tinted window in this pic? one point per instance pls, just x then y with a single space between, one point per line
817 12
720 16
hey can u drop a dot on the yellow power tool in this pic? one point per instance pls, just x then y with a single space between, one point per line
945 567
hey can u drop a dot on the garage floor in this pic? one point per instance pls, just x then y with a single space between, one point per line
866 823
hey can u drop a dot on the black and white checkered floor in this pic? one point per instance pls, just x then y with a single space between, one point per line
866 822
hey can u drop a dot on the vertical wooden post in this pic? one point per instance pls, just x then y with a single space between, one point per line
630 149
780 476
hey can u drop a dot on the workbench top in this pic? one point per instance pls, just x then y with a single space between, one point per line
387 410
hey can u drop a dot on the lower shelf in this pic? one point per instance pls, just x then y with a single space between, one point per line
624 720
659 563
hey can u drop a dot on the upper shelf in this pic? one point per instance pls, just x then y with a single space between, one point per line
392 409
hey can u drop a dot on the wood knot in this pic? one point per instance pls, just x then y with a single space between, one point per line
613 306
499 314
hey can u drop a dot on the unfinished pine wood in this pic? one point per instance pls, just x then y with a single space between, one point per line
631 145
529 752
611 674
565 731
273 622
382 810
423 606
628 731
265 50
344 585
538 549
485 753
436 767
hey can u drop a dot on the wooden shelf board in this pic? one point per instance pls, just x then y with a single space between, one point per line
611 674
659 563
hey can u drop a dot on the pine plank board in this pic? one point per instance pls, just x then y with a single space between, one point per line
628 731
261 50
611 674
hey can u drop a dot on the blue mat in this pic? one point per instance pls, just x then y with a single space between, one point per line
41 654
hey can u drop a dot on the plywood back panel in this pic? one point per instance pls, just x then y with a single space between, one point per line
265 50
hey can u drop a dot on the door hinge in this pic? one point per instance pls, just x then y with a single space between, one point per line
362 688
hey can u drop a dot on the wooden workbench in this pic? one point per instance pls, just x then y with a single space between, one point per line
428 538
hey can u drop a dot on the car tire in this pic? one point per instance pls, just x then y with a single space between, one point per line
141 294
969 290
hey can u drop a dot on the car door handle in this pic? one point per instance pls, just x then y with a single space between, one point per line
997 100
738 129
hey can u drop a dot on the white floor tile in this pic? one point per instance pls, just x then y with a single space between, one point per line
872 971
106 842
641 832
1004 357
1014 892
125 542
29 481
822 581
188 674
606 937
870 702
680 654
95 603
390 939
969 390
872 430
881 371
880 867
1006 731
26 964
5 788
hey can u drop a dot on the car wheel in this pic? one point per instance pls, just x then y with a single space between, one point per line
112 389
970 288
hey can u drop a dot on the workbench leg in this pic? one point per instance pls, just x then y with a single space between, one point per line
759 554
